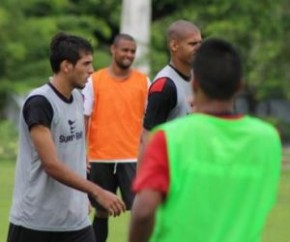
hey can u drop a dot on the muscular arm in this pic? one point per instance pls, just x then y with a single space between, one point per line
151 185
143 215
44 145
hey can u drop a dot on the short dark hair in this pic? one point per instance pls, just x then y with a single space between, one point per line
67 47
218 69
121 36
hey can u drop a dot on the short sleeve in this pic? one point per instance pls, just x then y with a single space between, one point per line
162 98
88 96
37 110
153 172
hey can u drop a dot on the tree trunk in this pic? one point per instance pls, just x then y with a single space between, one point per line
136 21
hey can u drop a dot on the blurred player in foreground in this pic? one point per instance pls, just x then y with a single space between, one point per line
212 175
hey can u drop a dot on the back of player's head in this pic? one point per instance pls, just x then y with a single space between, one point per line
218 69
67 47
122 36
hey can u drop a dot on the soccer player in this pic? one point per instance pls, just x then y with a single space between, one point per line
170 95
212 175
50 202
114 101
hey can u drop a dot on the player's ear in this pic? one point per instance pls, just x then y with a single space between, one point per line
65 66
112 49
173 45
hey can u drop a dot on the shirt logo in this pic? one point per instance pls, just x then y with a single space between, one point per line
73 134
72 126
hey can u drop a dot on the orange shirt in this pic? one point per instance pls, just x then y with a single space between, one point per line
115 124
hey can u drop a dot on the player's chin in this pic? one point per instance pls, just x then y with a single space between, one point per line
126 64
80 85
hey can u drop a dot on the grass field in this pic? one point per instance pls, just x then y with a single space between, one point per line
277 227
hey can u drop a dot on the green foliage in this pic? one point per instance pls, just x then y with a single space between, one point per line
8 141
257 32
260 35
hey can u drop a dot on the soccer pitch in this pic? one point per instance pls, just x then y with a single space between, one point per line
276 229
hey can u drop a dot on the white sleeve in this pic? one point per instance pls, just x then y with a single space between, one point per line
88 93
148 86
148 83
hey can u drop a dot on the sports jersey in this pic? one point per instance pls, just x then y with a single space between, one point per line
230 171
40 202
116 109
170 96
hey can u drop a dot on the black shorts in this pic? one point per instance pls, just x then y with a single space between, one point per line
20 234
112 176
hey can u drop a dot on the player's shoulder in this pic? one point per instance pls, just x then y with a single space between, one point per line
139 75
138 72
261 126
99 73
162 84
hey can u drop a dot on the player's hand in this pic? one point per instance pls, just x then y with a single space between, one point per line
112 203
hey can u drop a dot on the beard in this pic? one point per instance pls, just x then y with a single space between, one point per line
125 65
79 86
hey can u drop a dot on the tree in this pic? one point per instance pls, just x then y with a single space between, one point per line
261 36
136 20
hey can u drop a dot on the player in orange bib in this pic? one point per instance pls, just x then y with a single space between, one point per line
114 103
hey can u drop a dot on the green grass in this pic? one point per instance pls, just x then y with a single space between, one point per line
6 186
276 229
118 226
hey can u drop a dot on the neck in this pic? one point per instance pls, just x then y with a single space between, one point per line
118 72
58 81
214 106
182 68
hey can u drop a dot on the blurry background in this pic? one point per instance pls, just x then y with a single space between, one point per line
260 30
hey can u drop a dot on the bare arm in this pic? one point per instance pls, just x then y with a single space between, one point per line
143 215
42 139
143 142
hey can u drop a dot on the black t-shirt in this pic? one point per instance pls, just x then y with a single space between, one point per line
38 110
162 98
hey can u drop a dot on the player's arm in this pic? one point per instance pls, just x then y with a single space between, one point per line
162 98
151 187
38 115
44 145
143 215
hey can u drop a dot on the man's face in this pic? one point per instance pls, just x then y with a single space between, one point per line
81 71
187 46
123 53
